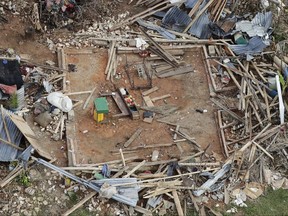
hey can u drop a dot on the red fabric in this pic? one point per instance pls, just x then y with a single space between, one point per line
8 89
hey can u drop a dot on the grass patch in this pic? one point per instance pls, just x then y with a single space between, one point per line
81 212
73 198
272 203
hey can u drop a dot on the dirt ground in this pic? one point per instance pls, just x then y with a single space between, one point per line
188 92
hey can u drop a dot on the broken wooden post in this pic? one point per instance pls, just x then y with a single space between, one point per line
122 157
133 137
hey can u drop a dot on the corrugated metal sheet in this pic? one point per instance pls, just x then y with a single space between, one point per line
30 136
21 98
118 197
7 152
176 19
159 29
255 45
190 3
200 28
263 20
203 4
129 191
258 26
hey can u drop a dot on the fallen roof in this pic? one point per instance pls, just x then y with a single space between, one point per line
200 28
29 135
176 19
255 45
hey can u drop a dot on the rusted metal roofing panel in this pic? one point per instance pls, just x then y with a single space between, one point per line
176 19
200 28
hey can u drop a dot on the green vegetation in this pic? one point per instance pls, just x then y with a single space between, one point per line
13 101
24 179
81 212
73 198
273 203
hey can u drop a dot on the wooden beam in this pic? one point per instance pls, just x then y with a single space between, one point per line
134 169
133 137
177 203
155 88
198 15
88 99
11 144
160 97
78 205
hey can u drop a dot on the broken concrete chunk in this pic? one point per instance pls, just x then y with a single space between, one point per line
43 119
71 115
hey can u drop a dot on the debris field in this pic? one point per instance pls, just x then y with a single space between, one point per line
146 107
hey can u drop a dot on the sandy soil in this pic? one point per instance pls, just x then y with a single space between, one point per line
189 92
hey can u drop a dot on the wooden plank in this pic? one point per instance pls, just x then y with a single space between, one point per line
78 93
143 211
200 164
78 205
110 57
148 101
159 48
134 169
88 99
231 113
112 64
198 15
155 88
146 147
260 147
122 157
11 176
195 8
133 137
254 139
30 135
175 71
11 144
120 104
160 97
142 14
177 203
176 130
120 172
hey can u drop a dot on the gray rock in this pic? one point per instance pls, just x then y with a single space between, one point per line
30 191
43 119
